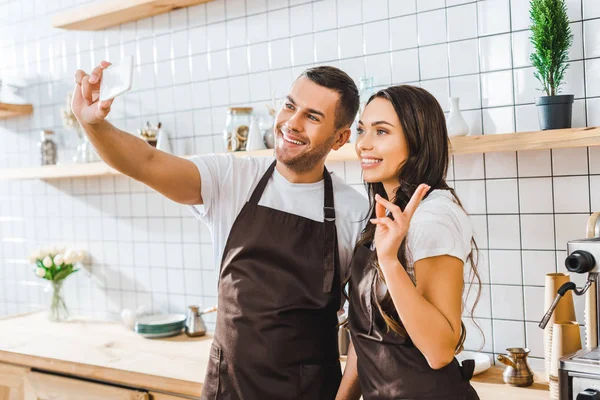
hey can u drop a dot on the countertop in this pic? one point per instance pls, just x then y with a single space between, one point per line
108 351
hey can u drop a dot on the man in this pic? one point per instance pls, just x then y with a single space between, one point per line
283 231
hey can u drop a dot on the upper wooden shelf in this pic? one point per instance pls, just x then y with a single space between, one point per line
522 141
106 13
14 110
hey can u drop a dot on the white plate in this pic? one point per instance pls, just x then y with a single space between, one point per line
161 319
160 335
482 361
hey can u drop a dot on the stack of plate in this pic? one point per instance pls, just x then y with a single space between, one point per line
159 326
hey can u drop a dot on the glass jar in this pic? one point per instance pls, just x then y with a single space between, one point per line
237 126
47 146
365 91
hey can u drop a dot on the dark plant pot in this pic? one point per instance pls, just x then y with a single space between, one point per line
555 112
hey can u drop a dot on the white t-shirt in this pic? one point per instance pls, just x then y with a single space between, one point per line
228 183
438 227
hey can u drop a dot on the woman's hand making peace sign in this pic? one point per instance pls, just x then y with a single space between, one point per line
389 233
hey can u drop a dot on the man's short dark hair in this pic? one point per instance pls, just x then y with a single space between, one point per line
338 81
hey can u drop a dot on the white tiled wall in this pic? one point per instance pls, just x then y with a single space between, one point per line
194 62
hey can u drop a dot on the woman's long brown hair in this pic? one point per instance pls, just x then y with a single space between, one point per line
424 127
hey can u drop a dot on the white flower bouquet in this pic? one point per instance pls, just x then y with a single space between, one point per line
55 264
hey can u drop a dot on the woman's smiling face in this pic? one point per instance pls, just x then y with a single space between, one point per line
381 146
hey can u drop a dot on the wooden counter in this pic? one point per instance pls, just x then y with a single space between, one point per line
109 352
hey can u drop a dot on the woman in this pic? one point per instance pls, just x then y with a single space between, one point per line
406 283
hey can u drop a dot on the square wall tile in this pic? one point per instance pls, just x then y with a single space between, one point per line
377 37
480 230
591 9
301 19
217 36
534 163
257 28
483 307
403 32
462 22
379 67
591 31
494 17
440 89
402 7
519 15
433 61
592 75
405 66
501 165
467 89
326 46
526 118
303 50
351 41
374 10
468 166
595 192
431 27
498 120
464 57
429 5
281 53
507 302
508 334
537 232
355 68
521 49
472 195
569 161
573 82
571 194
349 12
526 87
497 89
479 334
569 227
536 264
324 15
593 112
502 196
495 52
504 231
534 303
238 61
279 23
505 267
535 195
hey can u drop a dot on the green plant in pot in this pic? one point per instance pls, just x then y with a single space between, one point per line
551 37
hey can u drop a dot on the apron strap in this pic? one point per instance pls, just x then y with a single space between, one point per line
262 184
467 368
330 236
329 221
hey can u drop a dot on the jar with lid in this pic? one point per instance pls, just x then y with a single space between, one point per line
237 127
47 146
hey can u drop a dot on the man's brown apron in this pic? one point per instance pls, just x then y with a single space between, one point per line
279 292
389 365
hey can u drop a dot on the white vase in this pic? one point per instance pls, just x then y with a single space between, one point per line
256 140
163 142
456 124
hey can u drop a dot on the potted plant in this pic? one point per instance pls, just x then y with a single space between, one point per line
551 37
55 265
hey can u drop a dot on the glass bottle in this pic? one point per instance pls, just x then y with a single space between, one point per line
47 145
237 127
365 91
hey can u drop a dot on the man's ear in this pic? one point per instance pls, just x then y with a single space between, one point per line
342 137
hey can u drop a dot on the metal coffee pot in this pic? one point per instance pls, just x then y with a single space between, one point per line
194 324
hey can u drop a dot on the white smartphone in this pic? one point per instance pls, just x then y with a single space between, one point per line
116 79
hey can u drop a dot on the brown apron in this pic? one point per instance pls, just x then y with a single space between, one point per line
389 365
279 292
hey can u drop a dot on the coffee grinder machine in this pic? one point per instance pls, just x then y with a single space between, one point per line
579 373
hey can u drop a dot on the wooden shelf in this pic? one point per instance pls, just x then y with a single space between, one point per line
14 110
106 13
522 141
